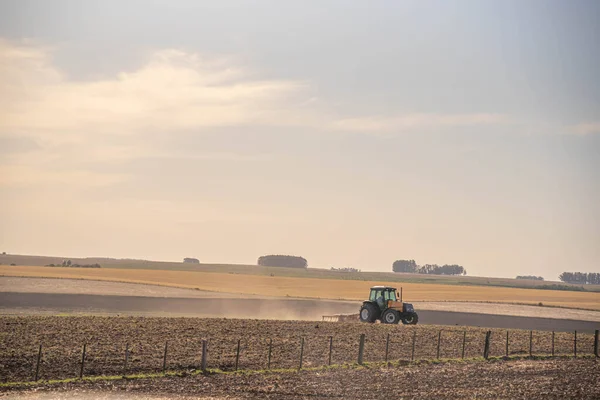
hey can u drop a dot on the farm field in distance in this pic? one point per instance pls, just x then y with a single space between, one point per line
318 273
313 287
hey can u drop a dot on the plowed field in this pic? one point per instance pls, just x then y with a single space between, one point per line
535 379
107 338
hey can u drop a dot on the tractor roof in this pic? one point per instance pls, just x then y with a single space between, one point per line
383 288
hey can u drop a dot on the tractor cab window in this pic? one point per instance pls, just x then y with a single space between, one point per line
376 294
381 302
390 295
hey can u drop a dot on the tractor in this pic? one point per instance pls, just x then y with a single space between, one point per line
385 304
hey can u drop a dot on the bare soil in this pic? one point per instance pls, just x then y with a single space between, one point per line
107 339
535 379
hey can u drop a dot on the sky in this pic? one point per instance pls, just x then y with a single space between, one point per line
351 133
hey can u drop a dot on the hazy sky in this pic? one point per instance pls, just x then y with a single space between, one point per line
352 133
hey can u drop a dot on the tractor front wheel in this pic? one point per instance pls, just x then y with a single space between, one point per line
368 313
410 319
390 317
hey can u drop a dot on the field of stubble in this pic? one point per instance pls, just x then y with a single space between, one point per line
309 287
107 338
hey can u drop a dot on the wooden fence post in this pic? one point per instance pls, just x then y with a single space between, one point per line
269 356
165 357
412 355
486 347
552 343
237 355
301 351
387 347
438 343
330 348
126 358
464 343
82 361
507 343
530 343
361 348
39 359
204 355
596 337
575 344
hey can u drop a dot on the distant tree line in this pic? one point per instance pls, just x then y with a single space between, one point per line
554 286
530 277
191 260
67 263
282 261
592 278
345 269
429 269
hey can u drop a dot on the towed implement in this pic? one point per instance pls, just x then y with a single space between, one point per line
385 304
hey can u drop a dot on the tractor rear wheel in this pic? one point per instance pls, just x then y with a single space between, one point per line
390 316
410 319
368 312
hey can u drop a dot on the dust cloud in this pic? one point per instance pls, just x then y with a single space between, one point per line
253 308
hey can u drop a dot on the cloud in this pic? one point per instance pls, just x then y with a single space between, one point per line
587 128
80 126
416 121
174 90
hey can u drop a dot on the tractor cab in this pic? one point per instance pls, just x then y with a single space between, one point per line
385 304
383 296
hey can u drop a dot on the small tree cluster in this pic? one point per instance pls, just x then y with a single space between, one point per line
74 265
530 277
282 261
446 269
430 269
345 269
405 266
191 260
592 278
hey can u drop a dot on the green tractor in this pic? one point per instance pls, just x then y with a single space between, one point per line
385 304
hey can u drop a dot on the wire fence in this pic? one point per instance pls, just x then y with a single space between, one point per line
288 352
